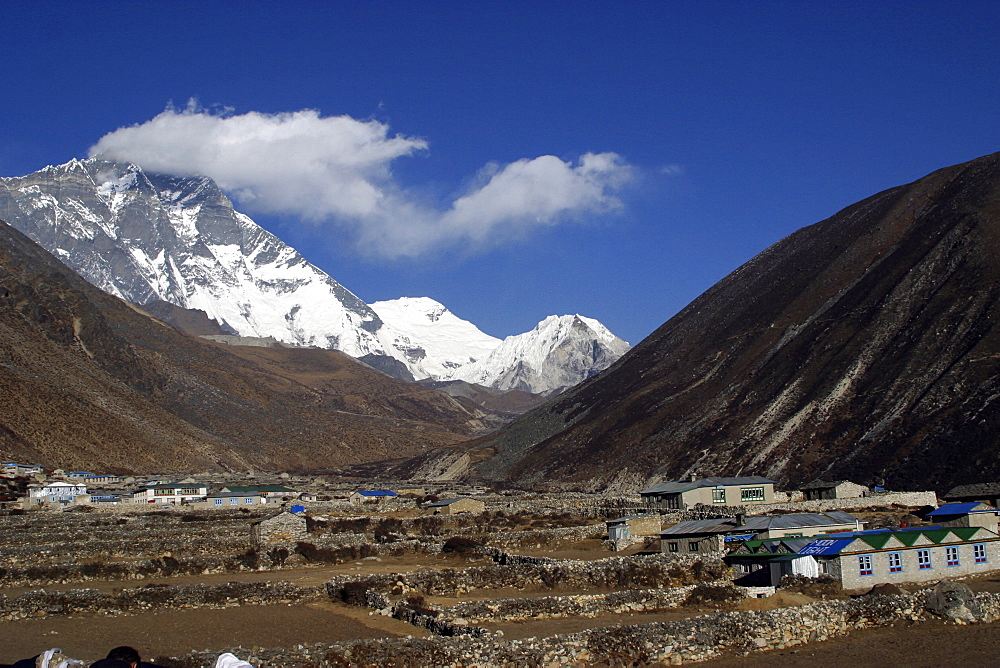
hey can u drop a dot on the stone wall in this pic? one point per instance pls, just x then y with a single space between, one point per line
579 605
153 597
660 570
281 529
545 537
663 643
908 499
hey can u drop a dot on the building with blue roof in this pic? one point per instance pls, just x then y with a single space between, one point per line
969 514
862 559
372 496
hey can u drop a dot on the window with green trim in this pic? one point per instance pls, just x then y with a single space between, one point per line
751 494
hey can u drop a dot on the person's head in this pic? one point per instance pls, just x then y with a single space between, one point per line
127 654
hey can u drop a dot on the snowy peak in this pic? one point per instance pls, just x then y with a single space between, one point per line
149 237
146 237
436 340
559 352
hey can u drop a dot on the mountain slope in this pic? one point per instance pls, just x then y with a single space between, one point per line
90 382
865 346
146 237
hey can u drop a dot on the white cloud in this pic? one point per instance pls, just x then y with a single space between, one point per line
337 169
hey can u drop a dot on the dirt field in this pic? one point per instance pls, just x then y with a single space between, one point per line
926 645
181 631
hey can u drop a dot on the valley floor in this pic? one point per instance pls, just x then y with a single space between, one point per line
179 627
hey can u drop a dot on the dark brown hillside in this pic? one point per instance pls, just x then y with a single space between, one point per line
864 347
86 381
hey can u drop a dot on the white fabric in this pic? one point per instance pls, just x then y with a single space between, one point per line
228 660
806 566
53 658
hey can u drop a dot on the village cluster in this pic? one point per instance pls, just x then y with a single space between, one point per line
745 519
426 553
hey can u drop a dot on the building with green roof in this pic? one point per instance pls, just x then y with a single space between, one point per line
268 491
861 559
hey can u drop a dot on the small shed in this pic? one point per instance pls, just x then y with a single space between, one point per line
971 514
838 489
285 527
455 506
648 524
372 496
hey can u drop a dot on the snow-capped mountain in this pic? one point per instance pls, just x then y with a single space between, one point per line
437 342
559 352
146 237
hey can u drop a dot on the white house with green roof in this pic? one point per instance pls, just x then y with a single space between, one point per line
266 491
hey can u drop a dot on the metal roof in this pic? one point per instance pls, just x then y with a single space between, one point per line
718 525
679 486
826 546
962 508
977 489
442 502
824 484
377 492
244 489
797 521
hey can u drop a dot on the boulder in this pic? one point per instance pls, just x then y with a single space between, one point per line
954 601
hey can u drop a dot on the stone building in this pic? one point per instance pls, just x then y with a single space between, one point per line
839 489
372 496
985 492
621 528
709 535
455 506
282 528
682 494
972 514
860 560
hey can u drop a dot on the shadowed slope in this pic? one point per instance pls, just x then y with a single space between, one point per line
87 381
862 347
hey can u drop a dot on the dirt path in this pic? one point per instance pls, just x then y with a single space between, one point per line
180 631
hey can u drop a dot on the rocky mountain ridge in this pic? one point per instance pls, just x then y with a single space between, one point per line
149 237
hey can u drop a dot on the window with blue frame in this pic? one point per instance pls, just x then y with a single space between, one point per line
217 502
979 553
924 559
865 565
951 555
895 562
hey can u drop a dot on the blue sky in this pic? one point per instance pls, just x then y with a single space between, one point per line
720 128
